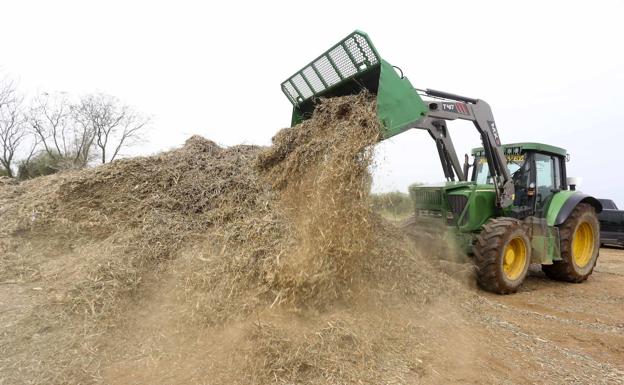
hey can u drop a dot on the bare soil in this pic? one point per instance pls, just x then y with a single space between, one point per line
550 332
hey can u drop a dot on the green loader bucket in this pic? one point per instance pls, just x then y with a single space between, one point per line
347 68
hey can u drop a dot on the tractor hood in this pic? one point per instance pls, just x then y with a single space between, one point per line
463 204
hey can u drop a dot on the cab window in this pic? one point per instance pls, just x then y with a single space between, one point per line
548 179
481 173
544 172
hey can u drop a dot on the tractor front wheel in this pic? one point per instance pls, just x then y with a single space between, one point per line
502 255
580 244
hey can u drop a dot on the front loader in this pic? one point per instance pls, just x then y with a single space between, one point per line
514 207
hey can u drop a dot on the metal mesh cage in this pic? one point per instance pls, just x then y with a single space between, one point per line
353 55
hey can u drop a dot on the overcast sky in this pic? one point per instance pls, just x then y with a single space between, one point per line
551 70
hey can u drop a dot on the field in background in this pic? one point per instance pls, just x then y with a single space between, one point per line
393 206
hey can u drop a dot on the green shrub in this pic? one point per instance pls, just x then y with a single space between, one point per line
42 164
396 203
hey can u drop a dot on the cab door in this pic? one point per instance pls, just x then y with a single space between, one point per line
548 180
610 222
620 226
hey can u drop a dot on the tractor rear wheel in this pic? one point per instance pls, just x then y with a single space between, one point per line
580 245
502 255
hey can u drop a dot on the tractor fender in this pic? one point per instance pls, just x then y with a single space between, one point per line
562 207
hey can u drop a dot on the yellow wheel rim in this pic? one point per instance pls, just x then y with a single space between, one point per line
583 244
514 258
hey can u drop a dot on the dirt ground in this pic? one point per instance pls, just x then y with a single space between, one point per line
553 332
549 332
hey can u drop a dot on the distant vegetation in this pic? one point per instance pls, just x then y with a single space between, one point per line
49 132
394 205
40 165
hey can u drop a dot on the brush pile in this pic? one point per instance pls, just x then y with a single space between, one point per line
280 241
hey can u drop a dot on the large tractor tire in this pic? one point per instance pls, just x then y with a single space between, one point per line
580 245
502 255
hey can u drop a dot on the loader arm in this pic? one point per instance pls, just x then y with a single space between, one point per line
452 107
354 64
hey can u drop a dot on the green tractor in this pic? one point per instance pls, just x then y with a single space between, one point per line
511 207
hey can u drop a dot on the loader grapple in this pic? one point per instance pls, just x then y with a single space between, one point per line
343 62
349 67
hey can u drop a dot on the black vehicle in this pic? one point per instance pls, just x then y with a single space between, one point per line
611 223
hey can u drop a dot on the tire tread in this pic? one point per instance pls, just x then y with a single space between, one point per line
487 251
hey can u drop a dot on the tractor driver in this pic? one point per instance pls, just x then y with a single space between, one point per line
519 169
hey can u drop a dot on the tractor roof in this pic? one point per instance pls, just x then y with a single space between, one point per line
529 146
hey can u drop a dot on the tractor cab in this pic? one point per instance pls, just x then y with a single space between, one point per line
538 172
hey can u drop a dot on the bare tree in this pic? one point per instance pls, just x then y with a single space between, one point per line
63 138
114 125
12 128
7 91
